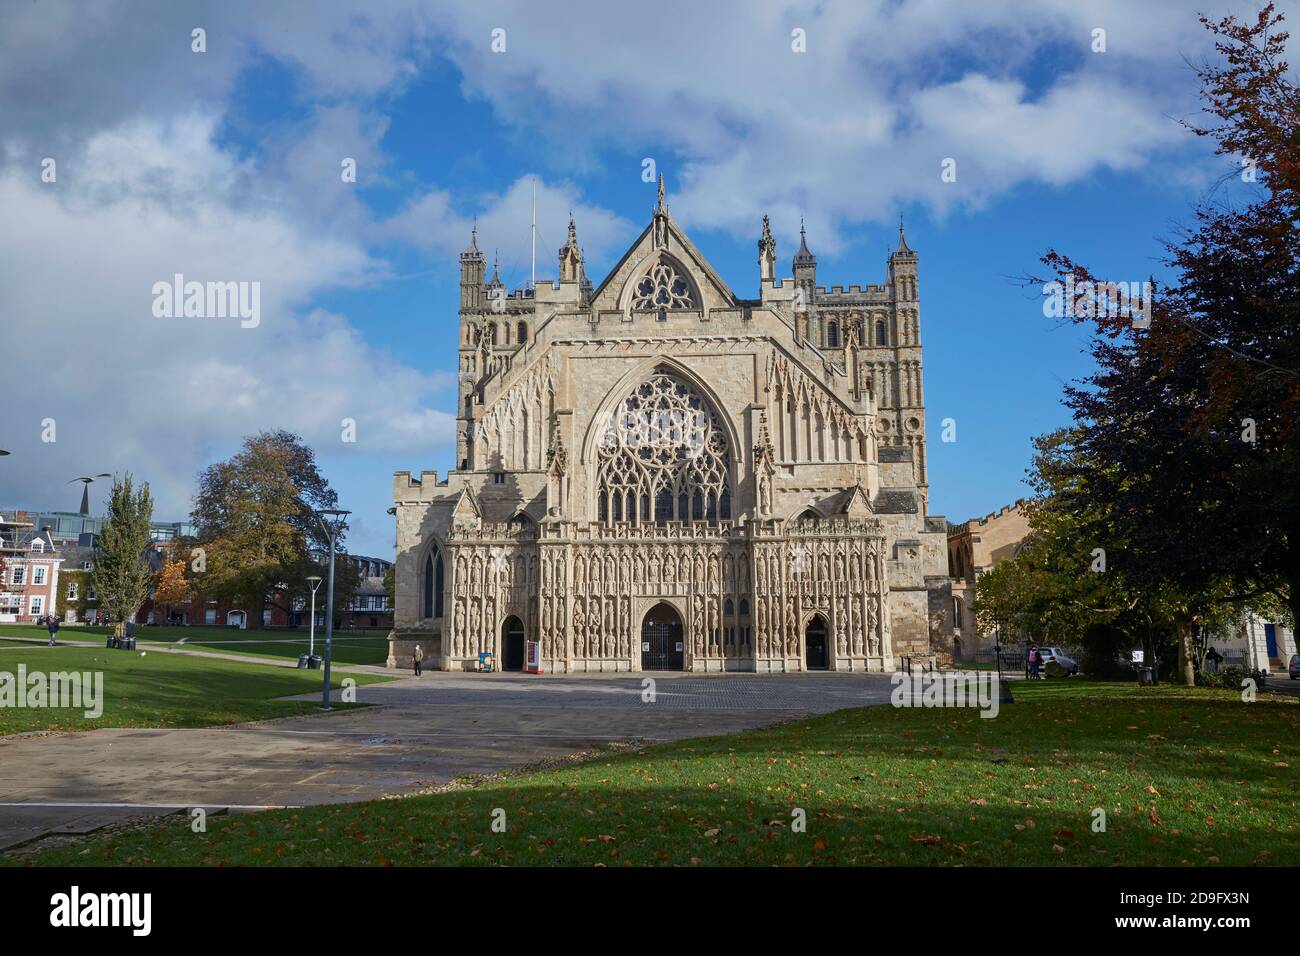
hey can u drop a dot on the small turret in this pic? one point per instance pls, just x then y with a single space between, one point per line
805 263
902 269
767 254
571 256
805 277
904 251
473 264
495 282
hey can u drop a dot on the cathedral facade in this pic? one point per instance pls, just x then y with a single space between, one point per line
654 473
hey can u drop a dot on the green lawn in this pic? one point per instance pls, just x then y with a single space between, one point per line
1185 778
359 646
346 650
151 687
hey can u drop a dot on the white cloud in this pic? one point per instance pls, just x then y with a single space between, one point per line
160 396
858 124
504 219
147 187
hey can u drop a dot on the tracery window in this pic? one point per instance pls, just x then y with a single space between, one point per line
662 288
433 584
663 457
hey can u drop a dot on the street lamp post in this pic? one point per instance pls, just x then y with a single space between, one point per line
314 581
997 646
332 529
1004 685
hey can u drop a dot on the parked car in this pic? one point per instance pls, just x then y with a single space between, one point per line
1294 667
1056 662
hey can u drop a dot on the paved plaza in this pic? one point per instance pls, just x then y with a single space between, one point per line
418 733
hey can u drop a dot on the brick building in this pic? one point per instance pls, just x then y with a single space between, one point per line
32 562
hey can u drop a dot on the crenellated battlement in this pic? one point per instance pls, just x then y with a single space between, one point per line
838 293
991 516
427 487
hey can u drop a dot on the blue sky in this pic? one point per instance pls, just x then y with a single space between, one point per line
224 165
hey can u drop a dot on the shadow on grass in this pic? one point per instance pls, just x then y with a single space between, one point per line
554 824
1182 778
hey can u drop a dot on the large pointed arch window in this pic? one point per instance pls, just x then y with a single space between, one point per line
431 598
663 287
662 457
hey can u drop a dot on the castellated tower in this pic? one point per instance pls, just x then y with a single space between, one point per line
885 322
656 473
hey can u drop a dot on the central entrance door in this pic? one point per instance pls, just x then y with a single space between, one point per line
662 643
512 644
816 655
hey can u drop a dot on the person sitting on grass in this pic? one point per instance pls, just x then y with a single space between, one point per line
417 657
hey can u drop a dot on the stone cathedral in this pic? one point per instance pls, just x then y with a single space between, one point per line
655 473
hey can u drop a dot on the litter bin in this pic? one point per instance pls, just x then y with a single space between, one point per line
1146 676
112 641
309 661
127 644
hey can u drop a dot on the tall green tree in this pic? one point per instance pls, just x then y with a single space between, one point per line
1063 580
1193 419
122 575
257 526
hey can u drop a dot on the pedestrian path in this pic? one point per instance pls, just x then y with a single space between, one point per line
418 733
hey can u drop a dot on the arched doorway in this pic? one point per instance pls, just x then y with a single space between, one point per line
662 642
236 619
512 644
816 647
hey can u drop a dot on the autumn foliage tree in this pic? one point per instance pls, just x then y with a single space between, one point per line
1194 419
171 588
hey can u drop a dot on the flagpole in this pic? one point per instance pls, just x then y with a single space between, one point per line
534 269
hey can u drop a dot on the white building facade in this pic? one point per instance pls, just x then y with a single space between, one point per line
654 473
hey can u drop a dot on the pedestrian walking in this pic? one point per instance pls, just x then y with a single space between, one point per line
1035 662
52 624
418 656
